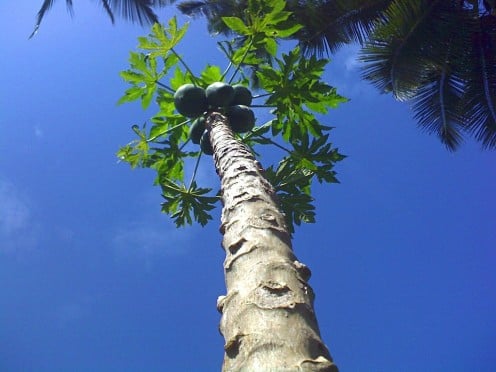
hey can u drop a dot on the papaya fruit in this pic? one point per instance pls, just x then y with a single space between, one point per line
196 129
242 95
190 100
241 118
219 94
205 144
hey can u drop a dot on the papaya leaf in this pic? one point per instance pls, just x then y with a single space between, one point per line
165 101
143 76
161 39
296 87
168 162
237 25
147 96
271 47
297 209
179 78
285 30
293 191
135 153
173 126
211 74
187 204
132 76
126 153
131 94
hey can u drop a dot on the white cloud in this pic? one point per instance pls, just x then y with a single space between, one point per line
351 62
14 213
144 243
17 230
38 132
149 235
345 74
70 313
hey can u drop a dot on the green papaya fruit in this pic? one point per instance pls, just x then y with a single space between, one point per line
242 95
190 100
219 94
205 144
241 118
196 129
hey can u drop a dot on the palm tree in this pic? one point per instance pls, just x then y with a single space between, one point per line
140 11
440 55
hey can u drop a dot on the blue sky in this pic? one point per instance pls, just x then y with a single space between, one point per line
94 278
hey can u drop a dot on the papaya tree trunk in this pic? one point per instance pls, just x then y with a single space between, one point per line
268 320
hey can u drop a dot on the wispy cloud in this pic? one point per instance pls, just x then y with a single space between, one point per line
352 63
38 132
17 230
145 243
69 314
149 235
150 240
345 74
14 213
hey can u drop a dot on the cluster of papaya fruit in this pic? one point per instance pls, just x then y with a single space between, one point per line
193 101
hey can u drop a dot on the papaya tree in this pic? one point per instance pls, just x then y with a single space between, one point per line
268 319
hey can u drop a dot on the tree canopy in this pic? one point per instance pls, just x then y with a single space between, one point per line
437 55
291 89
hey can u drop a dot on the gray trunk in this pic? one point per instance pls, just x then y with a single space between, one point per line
268 320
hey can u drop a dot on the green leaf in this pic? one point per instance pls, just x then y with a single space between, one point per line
186 205
131 94
147 96
211 74
179 78
161 40
286 30
295 91
271 47
138 61
132 76
297 209
237 25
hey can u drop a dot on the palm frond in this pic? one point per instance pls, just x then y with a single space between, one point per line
437 107
108 10
404 49
139 11
45 7
480 95
193 8
70 7
328 25
360 17
321 33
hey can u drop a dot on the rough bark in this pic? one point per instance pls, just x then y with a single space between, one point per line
268 320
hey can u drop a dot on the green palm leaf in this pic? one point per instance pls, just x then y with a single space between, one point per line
436 108
328 25
403 50
480 95
138 11
45 7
